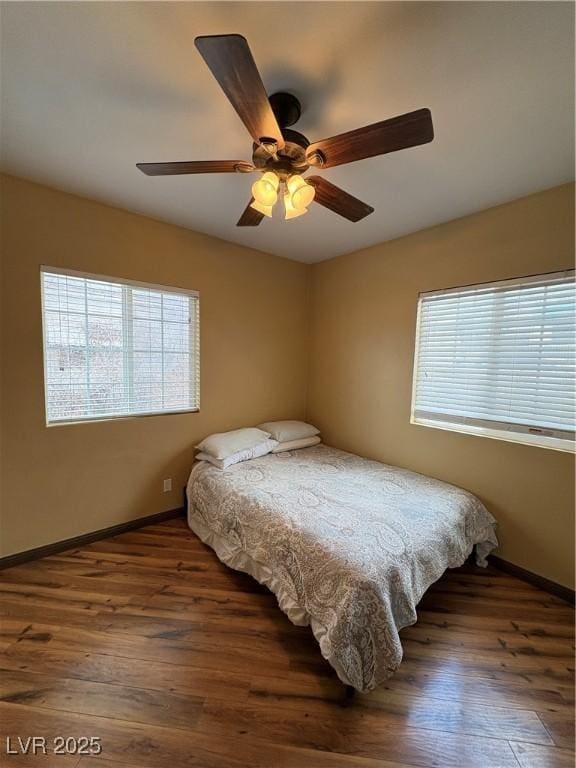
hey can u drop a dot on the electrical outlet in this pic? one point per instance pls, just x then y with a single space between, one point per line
167 484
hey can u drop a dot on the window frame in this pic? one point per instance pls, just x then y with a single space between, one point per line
512 435
194 339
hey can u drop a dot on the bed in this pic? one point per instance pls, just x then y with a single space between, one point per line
347 545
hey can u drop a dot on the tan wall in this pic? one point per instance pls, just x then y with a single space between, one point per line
361 357
62 481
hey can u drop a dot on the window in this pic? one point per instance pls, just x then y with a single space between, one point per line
499 360
117 348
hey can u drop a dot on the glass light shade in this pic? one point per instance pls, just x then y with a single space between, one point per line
265 190
291 211
301 192
265 209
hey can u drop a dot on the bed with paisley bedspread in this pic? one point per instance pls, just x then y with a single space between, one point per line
347 545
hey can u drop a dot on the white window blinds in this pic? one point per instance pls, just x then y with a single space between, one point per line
499 355
116 348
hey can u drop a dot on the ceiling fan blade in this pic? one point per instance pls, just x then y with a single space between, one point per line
400 132
198 166
251 217
230 60
334 198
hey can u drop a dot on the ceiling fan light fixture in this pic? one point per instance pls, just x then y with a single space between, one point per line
291 211
301 193
265 190
266 210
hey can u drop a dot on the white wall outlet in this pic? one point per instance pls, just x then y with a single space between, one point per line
167 484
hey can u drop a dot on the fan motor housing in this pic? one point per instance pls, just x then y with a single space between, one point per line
286 107
288 160
292 157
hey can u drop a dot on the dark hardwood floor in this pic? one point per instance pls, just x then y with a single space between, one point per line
146 641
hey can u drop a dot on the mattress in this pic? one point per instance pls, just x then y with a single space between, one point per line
347 545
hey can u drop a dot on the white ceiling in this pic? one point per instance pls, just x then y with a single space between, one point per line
90 89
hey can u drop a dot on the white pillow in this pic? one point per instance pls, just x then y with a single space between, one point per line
283 431
292 445
224 444
248 453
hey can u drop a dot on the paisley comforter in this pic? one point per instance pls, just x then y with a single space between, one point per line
347 545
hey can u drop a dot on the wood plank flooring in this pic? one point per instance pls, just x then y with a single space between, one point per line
148 642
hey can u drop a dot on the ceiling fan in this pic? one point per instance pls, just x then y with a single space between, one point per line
283 155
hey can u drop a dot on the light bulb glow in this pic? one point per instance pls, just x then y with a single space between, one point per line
265 190
291 211
301 193
294 182
266 210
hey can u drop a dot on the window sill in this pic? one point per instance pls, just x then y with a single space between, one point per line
120 417
540 441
